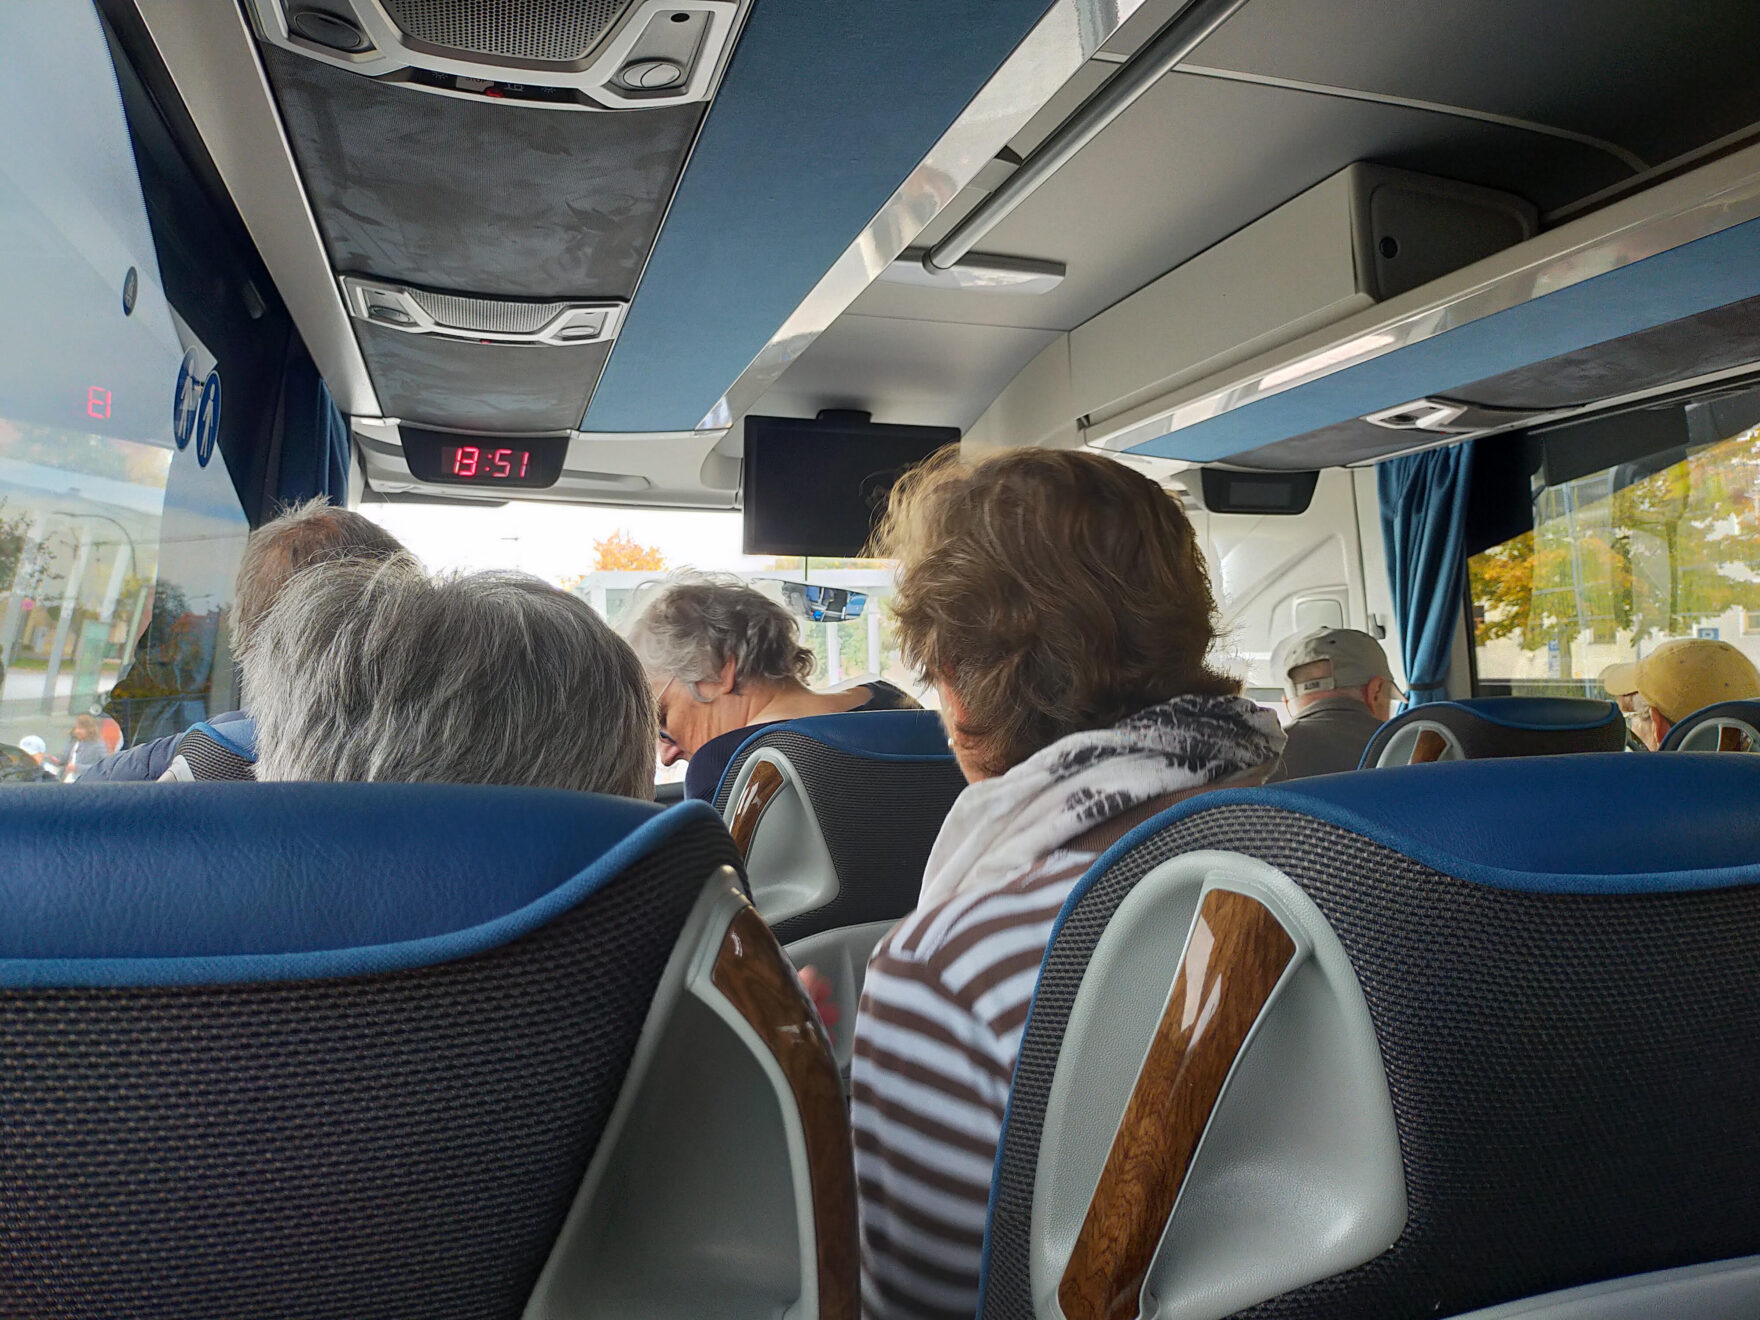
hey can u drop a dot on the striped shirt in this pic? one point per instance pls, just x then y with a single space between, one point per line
937 1034
940 1025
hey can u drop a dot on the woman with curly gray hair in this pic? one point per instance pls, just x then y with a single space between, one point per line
723 658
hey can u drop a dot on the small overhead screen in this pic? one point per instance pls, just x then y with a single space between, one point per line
817 487
1229 491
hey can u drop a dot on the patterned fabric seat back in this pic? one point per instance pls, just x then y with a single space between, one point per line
1490 727
1400 1045
334 1050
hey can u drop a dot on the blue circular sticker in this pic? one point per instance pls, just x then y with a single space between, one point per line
185 401
208 418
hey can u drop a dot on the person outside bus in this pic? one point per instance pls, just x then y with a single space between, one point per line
1676 679
1059 603
722 659
48 769
85 748
1339 690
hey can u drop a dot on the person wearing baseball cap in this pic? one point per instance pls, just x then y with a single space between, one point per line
38 750
1676 679
1339 689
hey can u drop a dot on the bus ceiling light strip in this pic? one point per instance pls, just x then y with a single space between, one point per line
567 55
979 272
493 320
1178 40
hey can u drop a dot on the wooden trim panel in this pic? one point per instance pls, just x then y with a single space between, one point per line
755 797
1429 748
757 979
1236 954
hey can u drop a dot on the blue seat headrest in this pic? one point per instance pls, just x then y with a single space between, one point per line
1508 727
1535 713
1584 823
1743 712
238 736
883 735
187 883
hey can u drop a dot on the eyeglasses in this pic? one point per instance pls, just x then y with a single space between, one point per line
660 711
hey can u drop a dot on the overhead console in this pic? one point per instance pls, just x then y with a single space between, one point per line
488 178
591 55
1654 293
1362 237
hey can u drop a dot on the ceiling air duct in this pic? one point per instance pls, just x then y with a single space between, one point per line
564 54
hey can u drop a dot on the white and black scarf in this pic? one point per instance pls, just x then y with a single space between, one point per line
999 827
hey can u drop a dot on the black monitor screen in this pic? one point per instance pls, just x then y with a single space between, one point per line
817 487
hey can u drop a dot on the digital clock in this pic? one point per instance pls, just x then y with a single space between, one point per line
482 463
484 460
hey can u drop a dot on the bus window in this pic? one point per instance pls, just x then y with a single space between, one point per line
1618 561
118 519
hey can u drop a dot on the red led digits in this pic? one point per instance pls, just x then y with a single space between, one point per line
476 463
97 402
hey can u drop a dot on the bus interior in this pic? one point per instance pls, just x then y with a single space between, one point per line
1442 324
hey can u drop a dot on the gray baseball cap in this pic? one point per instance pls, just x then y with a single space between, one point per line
1356 658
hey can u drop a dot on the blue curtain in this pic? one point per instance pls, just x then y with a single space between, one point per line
314 439
1424 525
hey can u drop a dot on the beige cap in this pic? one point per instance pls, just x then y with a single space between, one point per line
1356 658
1685 675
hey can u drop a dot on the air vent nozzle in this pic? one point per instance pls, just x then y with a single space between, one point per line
555 54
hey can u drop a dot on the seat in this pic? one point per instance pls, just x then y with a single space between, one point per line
1487 727
334 1050
836 815
1728 726
1478 1041
221 753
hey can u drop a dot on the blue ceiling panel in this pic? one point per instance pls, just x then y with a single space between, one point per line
825 109
1710 272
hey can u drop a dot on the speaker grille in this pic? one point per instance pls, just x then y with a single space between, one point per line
512 318
556 30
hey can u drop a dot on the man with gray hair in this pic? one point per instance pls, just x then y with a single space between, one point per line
1339 688
723 658
314 532
377 671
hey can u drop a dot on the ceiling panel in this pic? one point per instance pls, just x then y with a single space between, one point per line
1198 158
922 373
824 110
459 385
477 197
1657 78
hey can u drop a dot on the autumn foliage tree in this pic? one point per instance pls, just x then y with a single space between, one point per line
621 553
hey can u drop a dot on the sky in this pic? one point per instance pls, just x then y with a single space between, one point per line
554 541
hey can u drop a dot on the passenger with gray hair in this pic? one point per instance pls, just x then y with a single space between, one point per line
723 658
378 671
312 532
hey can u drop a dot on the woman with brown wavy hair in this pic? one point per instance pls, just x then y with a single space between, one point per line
1059 603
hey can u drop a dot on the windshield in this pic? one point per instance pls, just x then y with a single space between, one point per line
603 555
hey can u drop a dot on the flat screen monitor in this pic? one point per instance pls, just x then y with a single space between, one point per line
817 486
